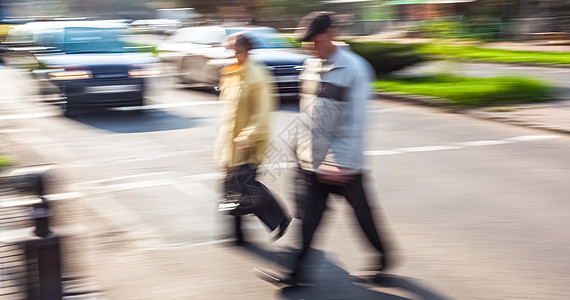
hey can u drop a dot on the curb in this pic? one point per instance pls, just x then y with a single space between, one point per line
515 63
443 105
412 98
514 121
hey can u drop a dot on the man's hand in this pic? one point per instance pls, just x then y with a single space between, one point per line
335 175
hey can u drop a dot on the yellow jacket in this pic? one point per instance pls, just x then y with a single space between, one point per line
247 93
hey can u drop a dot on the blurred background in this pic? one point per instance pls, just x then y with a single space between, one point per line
109 111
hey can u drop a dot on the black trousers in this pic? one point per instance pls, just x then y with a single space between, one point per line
258 199
315 199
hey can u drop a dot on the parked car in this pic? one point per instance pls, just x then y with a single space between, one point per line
161 26
84 63
197 54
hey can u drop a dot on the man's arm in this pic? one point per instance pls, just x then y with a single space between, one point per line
260 104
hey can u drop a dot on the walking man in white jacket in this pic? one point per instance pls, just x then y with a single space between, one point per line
335 89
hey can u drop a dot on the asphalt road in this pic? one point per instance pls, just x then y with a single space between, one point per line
474 209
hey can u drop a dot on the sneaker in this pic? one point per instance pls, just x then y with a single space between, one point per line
282 228
229 203
227 206
385 263
279 280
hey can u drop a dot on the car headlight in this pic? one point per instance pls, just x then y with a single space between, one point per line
142 71
70 73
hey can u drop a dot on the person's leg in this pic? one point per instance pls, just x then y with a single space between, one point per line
267 209
239 234
356 196
315 205
256 198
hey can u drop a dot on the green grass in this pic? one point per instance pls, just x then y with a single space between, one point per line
144 48
496 55
469 91
4 161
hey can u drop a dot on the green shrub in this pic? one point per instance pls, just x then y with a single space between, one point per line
480 29
294 41
469 91
440 29
387 57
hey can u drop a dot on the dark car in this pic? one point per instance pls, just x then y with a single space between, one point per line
85 64
197 55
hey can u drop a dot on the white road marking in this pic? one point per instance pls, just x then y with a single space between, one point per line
128 108
12 130
484 143
523 138
133 185
526 138
428 148
122 178
34 169
151 157
387 109
382 152
205 176
168 105
28 116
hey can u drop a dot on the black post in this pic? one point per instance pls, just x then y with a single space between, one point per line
44 259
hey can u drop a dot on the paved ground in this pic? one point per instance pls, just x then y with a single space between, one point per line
475 209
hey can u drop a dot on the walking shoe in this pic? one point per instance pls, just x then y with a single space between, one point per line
288 280
385 263
282 228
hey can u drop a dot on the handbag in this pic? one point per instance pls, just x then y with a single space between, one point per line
242 191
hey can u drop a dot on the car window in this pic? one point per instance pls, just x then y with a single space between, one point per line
92 40
210 36
199 35
20 34
182 36
49 37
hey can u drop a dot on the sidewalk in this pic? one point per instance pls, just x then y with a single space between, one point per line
552 116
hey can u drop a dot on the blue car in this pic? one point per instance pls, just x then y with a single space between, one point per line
84 64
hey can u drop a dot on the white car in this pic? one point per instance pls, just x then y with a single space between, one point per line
197 54
166 26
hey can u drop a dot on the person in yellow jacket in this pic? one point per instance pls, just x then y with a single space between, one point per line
247 93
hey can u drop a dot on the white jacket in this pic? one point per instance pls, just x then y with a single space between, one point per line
333 108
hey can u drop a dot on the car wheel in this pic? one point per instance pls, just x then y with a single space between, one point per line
185 67
140 104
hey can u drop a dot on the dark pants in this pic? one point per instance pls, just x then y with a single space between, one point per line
256 198
315 199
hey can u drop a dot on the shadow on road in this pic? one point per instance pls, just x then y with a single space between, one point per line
333 282
137 121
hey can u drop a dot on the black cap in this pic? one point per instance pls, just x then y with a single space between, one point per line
318 23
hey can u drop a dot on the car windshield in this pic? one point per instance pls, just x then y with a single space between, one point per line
263 38
93 40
